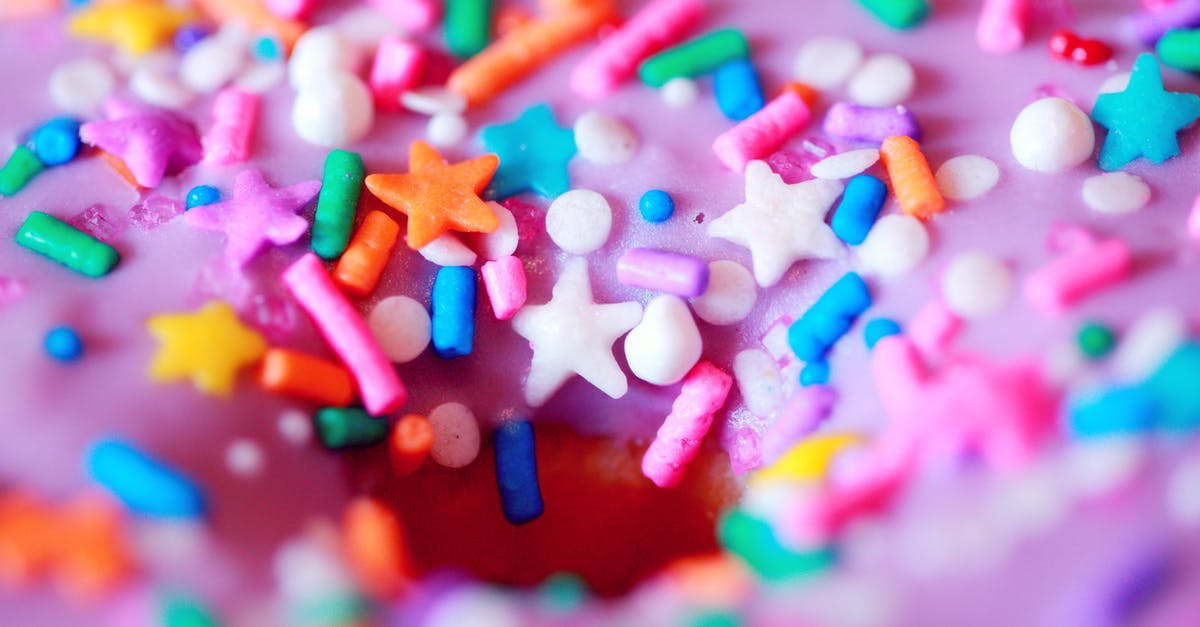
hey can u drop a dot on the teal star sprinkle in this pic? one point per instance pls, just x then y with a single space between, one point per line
534 152
1142 120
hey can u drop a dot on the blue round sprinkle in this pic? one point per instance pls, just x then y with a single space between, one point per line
656 206
63 343
814 373
266 49
189 36
878 329
57 141
202 195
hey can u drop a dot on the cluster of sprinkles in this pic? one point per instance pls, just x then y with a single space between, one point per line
809 484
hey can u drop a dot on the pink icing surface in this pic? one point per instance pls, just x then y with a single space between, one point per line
965 101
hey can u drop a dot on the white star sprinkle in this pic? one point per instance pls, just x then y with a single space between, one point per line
780 223
572 334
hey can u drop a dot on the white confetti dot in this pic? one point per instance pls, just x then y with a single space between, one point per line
1183 493
976 284
244 458
680 93
730 296
826 62
159 89
846 164
456 437
579 221
503 241
894 246
604 139
1115 192
81 86
212 63
884 80
294 427
1052 135
967 177
432 100
448 250
402 327
333 111
446 129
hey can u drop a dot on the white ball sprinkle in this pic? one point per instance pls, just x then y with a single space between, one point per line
665 345
894 246
579 221
456 437
1052 135
1114 84
244 458
81 86
826 62
846 164
604 139
967 177
334 111
884 80
448 250
1115 193
432 100
319 53
402 327
976 284
294 427
730 296
446 129
680 93
1183 493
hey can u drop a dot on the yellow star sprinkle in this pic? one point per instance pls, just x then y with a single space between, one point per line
208 346
137 26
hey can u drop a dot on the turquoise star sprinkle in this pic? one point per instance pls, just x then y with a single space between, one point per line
534 152
1142 120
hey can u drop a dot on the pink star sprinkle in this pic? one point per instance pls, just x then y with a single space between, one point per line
257 214
152 142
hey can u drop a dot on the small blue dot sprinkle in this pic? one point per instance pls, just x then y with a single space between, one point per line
201 195
814 373
63 343
57 141
266 49
656 206
878 329
189 36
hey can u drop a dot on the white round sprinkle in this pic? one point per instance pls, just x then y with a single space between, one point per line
456 436
894 246
320 52
81 86
211 63
884 80
1183 493
446 129
1148 342
845 165
758 380
504 240
294 427
967 177
579 221
261 77
976 284
334 111
1052 135
680 93
1115 192
448 250
604 139
244 458
1116 83
159 89
402 327
665 345
432 101
730 296
826 62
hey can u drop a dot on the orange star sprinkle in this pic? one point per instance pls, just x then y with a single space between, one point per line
438 196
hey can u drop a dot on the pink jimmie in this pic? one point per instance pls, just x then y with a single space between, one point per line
234 114
762 133
1089 267
658 25
416 16
970 406
934 329
504 279
1003 25
704 391
291 9
379 386
397 69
